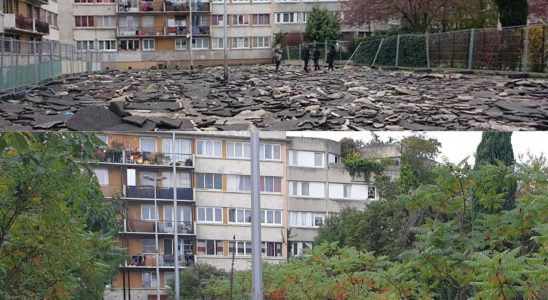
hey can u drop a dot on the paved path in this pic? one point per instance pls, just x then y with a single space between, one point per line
255 98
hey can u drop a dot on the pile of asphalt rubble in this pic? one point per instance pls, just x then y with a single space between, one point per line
355 98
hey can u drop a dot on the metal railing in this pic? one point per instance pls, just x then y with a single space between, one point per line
341 50
152 31
143 158
162 193
523 49
133 6
163 226
165 260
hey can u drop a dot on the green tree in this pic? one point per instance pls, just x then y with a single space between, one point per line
193 281
349 146
513 12
417 161
57 232
322 26
494 148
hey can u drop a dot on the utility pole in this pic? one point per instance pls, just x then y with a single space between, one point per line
190 27
225 41
175 218
256 218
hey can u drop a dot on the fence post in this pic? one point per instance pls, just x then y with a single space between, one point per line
398 51
525 58
17 66
2 80
35 62
300 46
325 51
287 51
12 74
428 62
377 54
471 50
51 58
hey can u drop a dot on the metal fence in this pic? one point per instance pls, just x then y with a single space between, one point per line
522 49
343 53
24 63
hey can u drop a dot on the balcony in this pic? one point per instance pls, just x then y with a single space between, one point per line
27 24
165 260
162 226
152 31
162 193
161 6
135 157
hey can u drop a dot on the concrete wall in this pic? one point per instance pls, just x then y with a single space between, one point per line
54 32
65 20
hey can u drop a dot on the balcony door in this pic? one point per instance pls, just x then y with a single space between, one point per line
184 218
183 149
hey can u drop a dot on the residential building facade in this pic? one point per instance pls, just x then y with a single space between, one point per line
207 176
29 20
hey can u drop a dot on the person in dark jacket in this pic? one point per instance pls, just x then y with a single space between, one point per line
306 57
316 57
331 57
277 57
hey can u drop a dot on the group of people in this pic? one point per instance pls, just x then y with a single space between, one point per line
305 55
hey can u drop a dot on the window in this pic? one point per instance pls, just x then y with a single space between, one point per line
210 214
217 20
239 215
261 42
305 189
272 217
84 45
210 247
148 144
102 176
84 21
272 249
217 43
149 280
209 181
149 45
287 17
208 148
107 45
238 150
371 192
306 219
261 19
239 183
240 42
270 151
241 248
169 278
148 246
347 191
180 44
200 43
298 248
103 138
318 159
106 21
271 184
240 20
129 45
147 212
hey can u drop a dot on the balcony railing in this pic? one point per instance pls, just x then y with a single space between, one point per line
152 31
162 193
165 260
163 226
25 23
131 6
143 158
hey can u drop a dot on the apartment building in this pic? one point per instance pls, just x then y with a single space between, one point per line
207 176
319 185
28 20
211 188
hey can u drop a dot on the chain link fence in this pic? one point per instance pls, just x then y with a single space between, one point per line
342 50
523 49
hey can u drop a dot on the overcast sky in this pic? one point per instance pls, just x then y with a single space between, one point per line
455 145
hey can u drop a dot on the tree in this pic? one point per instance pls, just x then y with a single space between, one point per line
494 148
194 279
57 232
513 12
416 15
349 146
538 11
322 26
417 160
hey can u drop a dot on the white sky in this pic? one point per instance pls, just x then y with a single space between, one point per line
455 145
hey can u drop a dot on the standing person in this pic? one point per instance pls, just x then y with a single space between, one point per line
331 57
278 57
316 57
306 57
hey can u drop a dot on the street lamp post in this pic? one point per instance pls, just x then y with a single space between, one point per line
155 180
191 36
225 42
